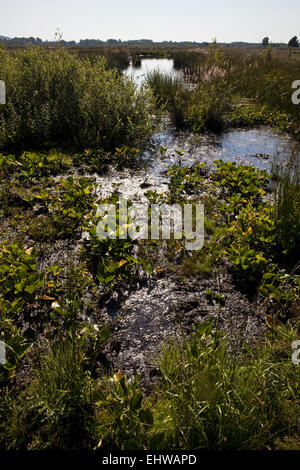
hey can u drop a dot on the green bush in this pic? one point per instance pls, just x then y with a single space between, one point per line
54 96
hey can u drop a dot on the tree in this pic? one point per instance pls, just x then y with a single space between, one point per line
265 41
294 42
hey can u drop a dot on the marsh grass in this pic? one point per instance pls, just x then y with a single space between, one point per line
217 84
56 410
214 394
287 208
191 106
219 396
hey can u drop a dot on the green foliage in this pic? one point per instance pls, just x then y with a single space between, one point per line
197 108
75 198
20 282
206 261
246 259
215 399
54 95
241 180
213 393
31 165
245 115
287 209
254 228
68 206
127 419
19 278
16 346
225 87
281 289
109 259
98 160
183 59
57 409
185 180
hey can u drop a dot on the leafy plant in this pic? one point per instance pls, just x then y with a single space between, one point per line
54 93
242 180
185 180
129 420
247 261
281 289
109 259
19 278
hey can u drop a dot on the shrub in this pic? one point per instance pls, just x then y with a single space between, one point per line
56 96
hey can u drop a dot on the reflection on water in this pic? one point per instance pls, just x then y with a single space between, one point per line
149 65
257 147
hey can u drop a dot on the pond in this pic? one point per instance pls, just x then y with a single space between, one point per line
257 147
150 65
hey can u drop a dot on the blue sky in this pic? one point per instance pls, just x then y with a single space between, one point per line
195 20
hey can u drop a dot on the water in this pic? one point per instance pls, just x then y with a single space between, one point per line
150 65
257 147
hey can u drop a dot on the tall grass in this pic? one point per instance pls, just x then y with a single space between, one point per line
221 79
287 208
267 79
57 409
214 394
54 96
217 397
196 106
187 59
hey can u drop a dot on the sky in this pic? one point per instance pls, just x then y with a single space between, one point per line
185 20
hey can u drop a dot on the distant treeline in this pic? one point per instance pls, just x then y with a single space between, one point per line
110 42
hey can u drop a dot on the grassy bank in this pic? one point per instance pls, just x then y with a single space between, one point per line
229 87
